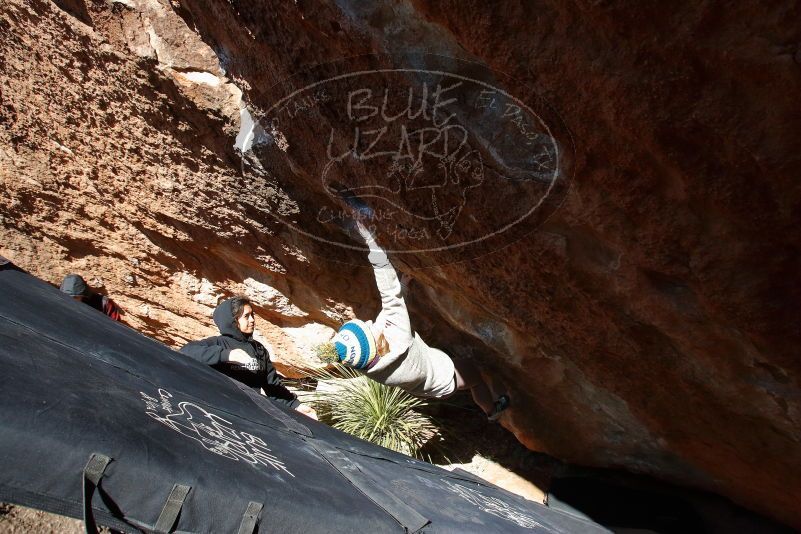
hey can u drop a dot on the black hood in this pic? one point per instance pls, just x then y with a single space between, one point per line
224 319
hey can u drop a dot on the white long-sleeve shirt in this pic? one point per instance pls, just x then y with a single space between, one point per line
410 363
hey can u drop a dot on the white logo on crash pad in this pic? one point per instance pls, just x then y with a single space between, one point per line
212 431
495 506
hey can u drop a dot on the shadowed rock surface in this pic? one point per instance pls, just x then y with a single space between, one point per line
646 318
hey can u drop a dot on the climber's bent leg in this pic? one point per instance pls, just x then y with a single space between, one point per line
468 377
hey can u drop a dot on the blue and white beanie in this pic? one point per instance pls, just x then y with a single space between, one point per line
355 344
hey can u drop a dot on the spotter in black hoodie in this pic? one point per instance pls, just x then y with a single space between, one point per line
215 350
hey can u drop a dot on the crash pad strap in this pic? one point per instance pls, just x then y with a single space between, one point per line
92 473
251 518
172 508
407 516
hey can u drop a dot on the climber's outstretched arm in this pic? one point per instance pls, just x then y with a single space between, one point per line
394 318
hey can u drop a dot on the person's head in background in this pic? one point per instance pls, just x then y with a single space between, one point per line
75 286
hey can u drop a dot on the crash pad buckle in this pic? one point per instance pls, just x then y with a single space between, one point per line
169 514
251 518
92 473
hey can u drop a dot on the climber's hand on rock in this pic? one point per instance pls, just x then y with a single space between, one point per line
365 233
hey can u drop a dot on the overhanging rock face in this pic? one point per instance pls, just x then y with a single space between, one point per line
171 445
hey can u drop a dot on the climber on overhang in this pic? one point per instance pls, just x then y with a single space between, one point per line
388 351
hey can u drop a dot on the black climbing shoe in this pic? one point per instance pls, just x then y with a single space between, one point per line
500 405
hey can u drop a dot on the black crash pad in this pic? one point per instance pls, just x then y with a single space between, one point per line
161 428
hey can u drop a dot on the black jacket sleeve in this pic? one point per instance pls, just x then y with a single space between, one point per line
206 351
274 388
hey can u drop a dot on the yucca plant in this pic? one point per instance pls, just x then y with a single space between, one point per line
384 415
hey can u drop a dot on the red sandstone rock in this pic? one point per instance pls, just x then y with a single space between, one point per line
650 322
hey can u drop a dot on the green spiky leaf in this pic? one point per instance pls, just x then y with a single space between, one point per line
387 416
